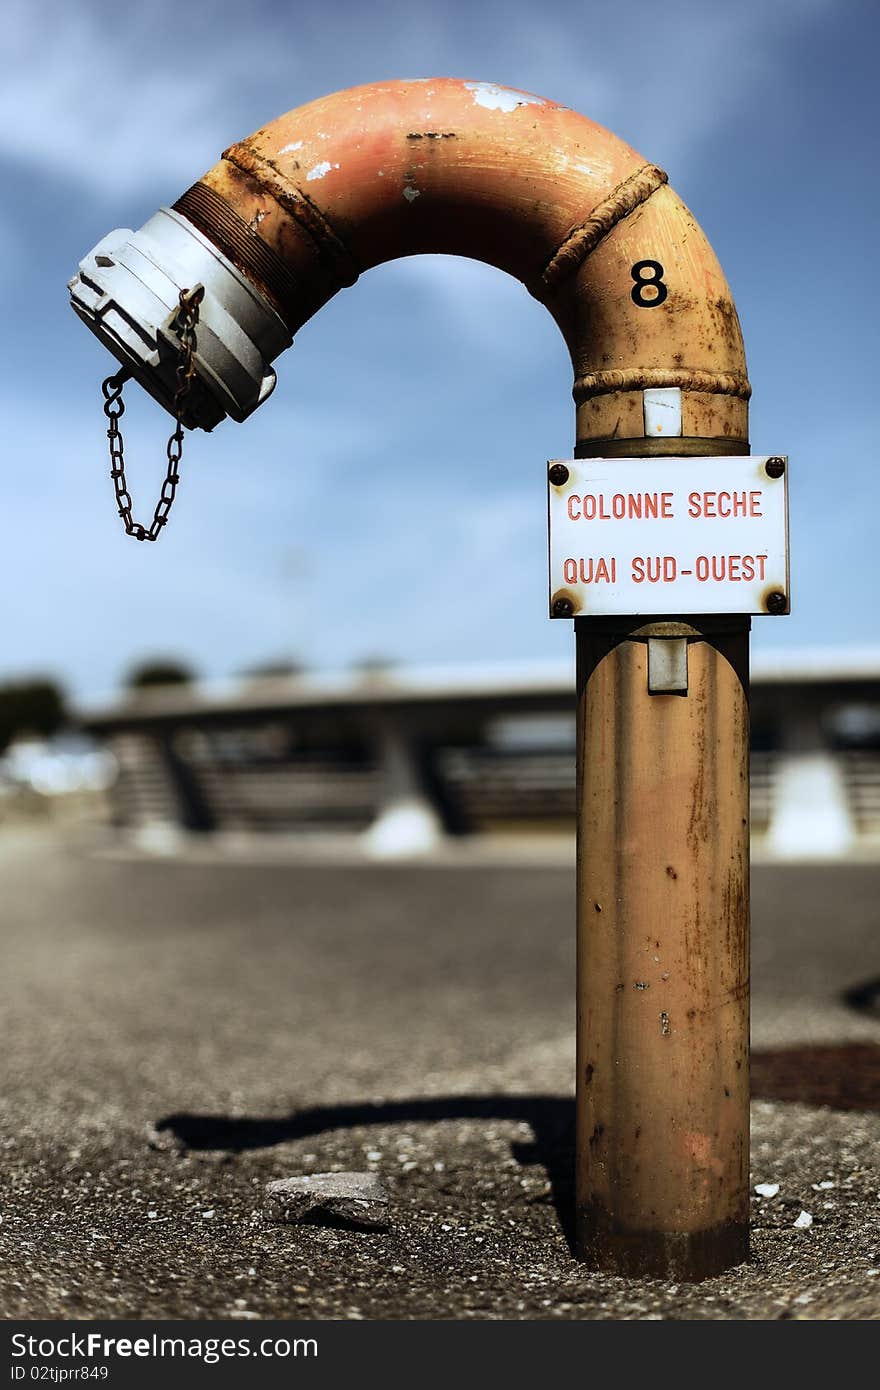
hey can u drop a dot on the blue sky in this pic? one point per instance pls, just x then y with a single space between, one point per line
350 517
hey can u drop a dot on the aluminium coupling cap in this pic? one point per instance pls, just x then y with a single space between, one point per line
128 292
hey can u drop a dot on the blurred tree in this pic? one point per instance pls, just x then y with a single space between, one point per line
159 671
30 707
370 667
267 669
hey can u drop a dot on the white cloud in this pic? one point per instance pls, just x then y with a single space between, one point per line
120 98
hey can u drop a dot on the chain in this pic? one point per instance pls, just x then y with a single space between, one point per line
185 322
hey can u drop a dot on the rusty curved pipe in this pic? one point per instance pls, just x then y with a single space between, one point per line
366 175
398 168
286 219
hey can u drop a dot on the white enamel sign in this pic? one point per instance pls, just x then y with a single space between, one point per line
668 535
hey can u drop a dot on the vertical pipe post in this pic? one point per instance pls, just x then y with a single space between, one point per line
663 982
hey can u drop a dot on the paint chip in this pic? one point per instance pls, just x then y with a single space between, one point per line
320 170
410 194
294 145
767 1189
501 98
804 1221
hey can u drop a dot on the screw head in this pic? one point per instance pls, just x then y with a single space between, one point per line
562 608
774 468
558 474
776 602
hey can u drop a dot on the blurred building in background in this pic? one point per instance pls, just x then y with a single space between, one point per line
406 758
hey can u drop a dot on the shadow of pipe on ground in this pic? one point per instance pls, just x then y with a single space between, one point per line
843 1076
551 1119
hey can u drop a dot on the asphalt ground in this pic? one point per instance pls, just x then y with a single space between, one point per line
176 1033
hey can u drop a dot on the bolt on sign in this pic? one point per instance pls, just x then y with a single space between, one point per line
668 535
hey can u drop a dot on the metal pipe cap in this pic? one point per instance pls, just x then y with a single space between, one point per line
127 290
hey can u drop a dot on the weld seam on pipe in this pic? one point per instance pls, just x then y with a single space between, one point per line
583 239
642 378
332 251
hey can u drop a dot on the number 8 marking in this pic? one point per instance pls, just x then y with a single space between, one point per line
642 280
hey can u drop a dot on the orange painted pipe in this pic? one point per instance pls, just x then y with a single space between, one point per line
663 954
323 193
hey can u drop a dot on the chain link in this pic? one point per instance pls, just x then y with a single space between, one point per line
185 322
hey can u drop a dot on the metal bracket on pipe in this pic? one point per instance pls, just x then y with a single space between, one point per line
667 666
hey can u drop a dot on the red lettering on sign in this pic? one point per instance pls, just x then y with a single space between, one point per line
621 506
657 569
590 570
729 568
724 504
